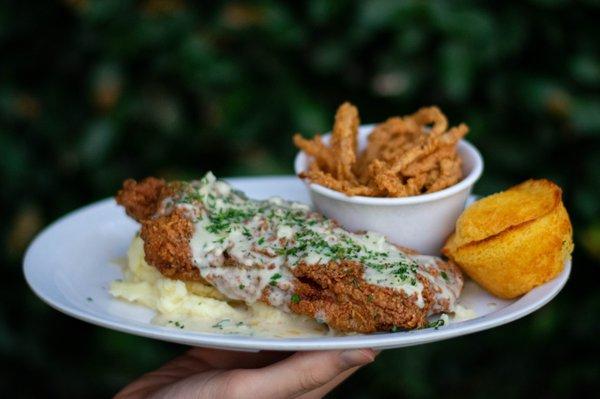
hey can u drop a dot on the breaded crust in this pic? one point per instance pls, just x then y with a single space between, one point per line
141 200
166 237
338 294
167 246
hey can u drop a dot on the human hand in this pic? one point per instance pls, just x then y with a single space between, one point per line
210 373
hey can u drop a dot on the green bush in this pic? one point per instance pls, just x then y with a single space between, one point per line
93 92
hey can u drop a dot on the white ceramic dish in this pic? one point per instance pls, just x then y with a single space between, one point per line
71 263
422 222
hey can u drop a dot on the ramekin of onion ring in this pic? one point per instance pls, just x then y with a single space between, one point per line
421 221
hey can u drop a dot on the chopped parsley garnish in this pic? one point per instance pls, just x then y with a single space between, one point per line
219 325
176 324
295 298
261 241
274 279
222 221
444 275
435 324
246 232
241 286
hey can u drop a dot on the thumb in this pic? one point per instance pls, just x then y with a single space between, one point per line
301 372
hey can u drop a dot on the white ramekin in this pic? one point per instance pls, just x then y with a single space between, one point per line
421 222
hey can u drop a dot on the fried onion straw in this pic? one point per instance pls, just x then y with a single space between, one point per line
404 156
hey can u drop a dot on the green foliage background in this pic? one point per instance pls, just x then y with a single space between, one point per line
93 92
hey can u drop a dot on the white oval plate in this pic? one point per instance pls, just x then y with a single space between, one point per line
71 264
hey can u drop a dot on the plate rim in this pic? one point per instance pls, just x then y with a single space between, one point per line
244 343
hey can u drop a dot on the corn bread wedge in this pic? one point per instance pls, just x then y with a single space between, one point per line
515 240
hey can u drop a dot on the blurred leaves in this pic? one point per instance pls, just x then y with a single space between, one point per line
26 222
95 91
591 240
586 116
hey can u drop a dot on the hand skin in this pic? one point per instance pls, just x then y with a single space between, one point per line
209 373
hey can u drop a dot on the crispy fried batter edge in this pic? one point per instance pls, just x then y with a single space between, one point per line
338 294
167 246
166 237
141 199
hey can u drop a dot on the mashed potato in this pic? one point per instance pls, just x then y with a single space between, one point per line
198 307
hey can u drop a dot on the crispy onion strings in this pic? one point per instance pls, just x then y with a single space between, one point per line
405 156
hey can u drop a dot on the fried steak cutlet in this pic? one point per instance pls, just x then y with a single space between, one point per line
285 255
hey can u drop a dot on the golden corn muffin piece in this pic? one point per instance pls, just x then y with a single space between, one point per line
515 240
498 212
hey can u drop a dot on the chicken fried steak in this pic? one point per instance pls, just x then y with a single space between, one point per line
285 255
